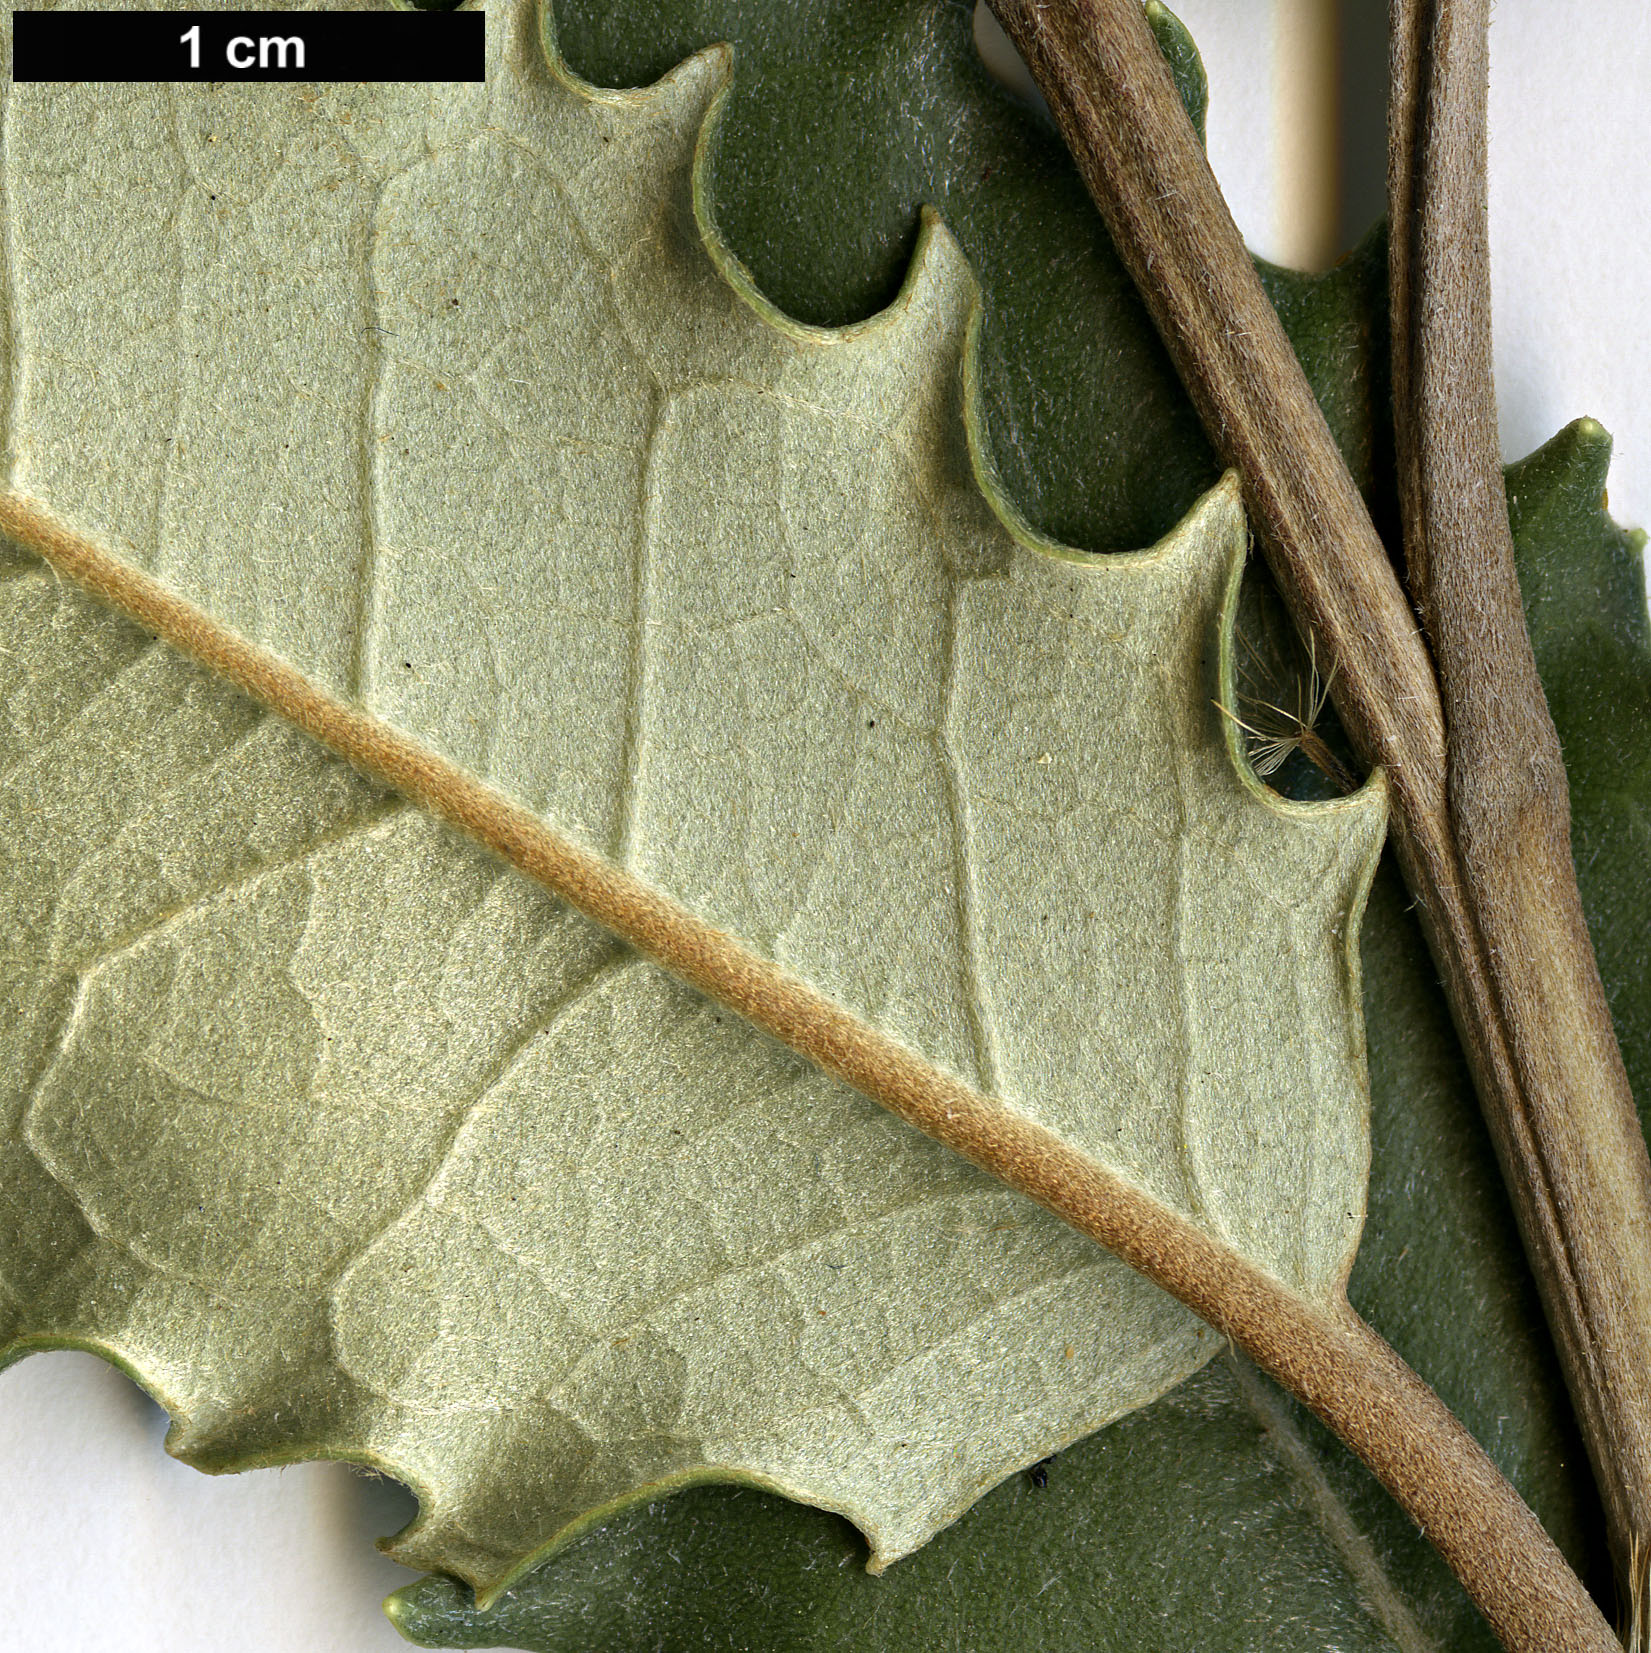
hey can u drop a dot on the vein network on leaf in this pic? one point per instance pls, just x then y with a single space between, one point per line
349 1143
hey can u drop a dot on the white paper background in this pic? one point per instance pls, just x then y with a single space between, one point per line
106 1543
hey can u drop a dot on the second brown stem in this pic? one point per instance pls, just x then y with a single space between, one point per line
1528 997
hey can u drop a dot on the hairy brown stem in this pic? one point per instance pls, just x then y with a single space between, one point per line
1571 1164
1540 1031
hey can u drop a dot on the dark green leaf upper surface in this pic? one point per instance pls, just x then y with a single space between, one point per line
1584 583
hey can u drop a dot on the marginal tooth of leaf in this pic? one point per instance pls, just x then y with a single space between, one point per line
966 783
1307 860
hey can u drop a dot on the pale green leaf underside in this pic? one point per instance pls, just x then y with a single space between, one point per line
349 1140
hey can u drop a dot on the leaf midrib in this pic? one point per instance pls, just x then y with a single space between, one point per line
1212 1278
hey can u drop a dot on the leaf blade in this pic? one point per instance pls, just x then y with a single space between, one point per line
886 395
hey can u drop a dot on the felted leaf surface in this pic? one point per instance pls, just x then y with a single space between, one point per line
1222 1516
321 1120
1238 1552
1184 1519
348 1141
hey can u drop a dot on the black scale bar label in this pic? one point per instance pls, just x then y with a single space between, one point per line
247 45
